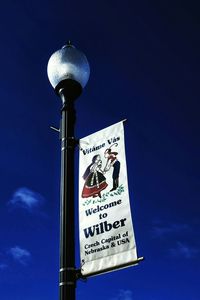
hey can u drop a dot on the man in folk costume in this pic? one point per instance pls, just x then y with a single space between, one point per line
112 161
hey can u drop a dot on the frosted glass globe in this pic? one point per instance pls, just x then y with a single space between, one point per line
68 63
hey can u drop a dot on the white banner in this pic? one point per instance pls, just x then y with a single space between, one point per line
106 233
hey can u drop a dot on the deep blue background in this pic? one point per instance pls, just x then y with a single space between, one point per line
144 59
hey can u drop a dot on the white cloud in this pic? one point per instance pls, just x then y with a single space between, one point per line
183 251
20 255
124 295
26 199
3 266
159 230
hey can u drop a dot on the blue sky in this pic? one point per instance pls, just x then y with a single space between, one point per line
144 60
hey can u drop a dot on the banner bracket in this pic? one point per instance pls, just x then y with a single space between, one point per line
80 276
55 128
133 263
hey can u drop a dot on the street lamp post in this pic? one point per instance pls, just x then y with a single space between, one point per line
68 71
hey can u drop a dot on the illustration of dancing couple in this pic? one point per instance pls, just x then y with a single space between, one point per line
95 181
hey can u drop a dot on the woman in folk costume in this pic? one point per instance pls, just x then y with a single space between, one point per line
112 161
95 181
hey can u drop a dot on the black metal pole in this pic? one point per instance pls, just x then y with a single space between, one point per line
67 222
